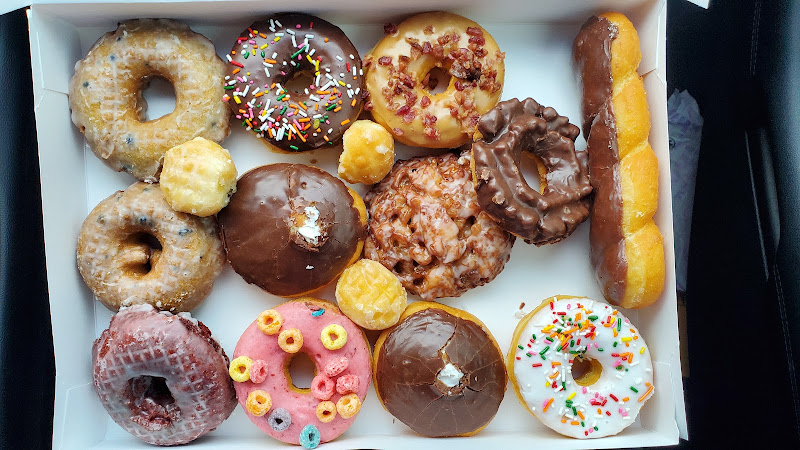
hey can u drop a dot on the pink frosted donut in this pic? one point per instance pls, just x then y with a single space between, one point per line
340 353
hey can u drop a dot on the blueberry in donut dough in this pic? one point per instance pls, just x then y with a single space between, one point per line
295 81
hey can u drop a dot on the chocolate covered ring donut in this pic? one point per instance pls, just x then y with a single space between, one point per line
515 126
294 80
291 229
439 371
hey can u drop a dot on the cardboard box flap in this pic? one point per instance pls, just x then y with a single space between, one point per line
11 5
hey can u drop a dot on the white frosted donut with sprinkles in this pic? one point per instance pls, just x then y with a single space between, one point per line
564 332
295 81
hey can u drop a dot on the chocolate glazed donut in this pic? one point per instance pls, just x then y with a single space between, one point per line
439 371
291 228
266 70
515 126
162 377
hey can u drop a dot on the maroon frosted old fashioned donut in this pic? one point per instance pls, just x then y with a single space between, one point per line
162 377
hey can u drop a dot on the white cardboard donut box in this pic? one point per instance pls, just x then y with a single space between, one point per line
537 37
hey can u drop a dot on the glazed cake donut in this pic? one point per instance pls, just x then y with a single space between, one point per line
400 83
105 94
627 249
291 229
162 377
426 226
562 332
506 131
266 69
439 371
133 248
260 369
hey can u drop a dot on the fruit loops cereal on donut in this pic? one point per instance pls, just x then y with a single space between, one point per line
295 81
568 332
340 353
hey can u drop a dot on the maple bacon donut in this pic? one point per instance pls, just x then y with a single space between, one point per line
105 94
260 369
295 81
402 76
617 373
162 377
134 248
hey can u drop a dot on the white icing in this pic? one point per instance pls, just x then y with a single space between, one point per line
310 229
450 375
536 385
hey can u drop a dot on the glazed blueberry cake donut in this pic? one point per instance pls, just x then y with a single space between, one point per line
565 332
134 248
295 81
105 94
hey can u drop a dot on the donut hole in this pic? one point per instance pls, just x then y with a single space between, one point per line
151 402
532 170
586 371
159 96
141 253
301 81
436 80
300 372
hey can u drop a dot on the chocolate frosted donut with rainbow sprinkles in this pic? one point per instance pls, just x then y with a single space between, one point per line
295 81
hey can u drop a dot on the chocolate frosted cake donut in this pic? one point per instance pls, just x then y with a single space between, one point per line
426 226
544 217
294 80
439 371
291 229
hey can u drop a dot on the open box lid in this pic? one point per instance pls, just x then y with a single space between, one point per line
11 5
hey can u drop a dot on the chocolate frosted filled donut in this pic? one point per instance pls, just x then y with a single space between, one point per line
515 126
162 377
294 80
291 228
439 371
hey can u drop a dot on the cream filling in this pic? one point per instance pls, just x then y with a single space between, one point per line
450 376
310 229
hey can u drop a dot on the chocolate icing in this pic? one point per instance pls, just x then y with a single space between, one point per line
410 359
592 53
260 228
510 128
343 83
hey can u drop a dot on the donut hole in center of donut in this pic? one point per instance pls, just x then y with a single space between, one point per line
586 371
300 372
436 80
151 401
141 253
159 96
533 171
300 81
